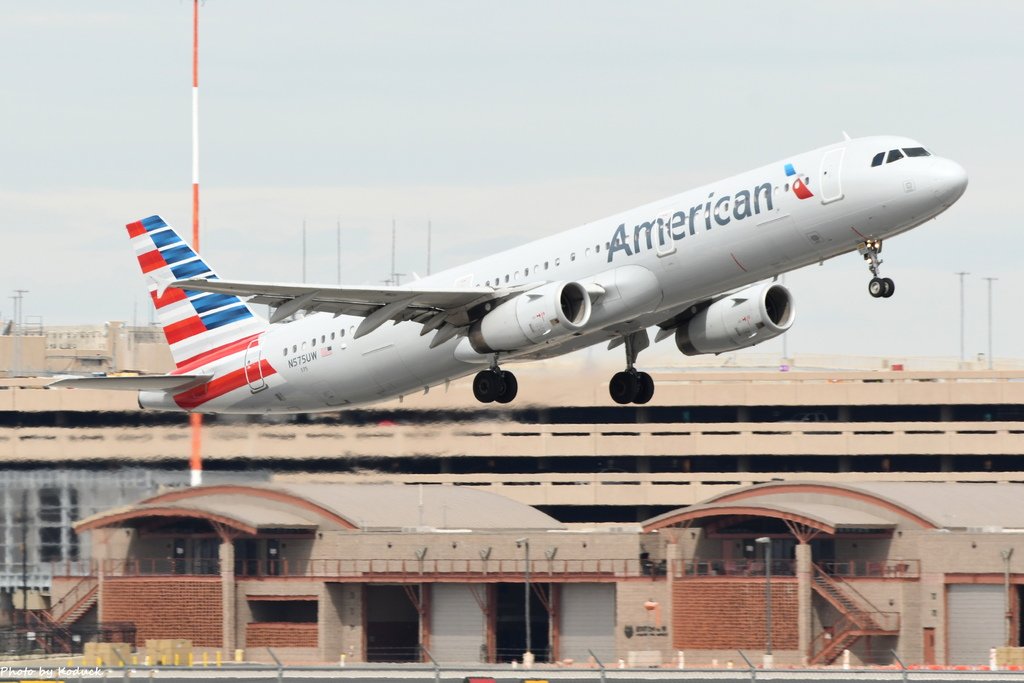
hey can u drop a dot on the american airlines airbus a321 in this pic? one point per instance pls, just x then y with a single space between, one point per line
697 266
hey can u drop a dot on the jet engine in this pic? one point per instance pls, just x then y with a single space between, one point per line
550 311
741 319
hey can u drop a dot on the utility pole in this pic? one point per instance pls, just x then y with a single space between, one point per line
19 314
962 274
195 420
990 280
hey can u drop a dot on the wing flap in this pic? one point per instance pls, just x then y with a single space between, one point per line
379 303
132 382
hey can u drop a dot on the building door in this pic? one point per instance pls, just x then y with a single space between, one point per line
929 646
392 624
976 622
457 628
587 621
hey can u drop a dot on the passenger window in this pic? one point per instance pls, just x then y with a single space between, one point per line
285 351
303 346
295 348
894 155
545 265
785 188
332 336
558 262
877 160
916 152
506 277
597 249
323 338
342 333
313 343
572 256
526 272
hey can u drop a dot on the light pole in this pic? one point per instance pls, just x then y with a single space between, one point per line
990 280
1006 555
767 543
961 274
527 655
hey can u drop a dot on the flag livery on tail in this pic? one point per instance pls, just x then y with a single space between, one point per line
197 324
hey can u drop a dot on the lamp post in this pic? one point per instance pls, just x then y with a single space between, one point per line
990 281
767 543
527 655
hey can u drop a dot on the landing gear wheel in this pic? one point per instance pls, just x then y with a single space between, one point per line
510 387
876 287
645 388
888 288
623 387
488 386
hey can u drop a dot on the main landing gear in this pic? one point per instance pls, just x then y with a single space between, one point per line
631 386
878 287
495 385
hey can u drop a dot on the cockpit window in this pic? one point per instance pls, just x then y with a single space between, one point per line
916 152
894 155
877 161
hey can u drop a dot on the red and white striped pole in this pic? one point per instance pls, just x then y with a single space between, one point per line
195 419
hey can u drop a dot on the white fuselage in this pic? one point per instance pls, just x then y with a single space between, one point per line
652 261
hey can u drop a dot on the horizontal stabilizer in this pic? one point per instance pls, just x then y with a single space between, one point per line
132 382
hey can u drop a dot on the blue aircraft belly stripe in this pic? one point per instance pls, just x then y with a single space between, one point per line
163 238
229 315
205 304
190 269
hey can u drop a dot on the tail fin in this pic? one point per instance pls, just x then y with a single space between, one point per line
199 326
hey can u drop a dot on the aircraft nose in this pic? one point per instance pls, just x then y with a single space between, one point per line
949 179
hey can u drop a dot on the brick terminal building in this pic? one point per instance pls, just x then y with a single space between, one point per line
374 571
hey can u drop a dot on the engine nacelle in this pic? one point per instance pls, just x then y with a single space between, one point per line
534 317
742 319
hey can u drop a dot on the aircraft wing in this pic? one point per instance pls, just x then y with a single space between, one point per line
434 308
131 382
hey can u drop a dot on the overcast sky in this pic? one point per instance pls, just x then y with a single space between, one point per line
499 122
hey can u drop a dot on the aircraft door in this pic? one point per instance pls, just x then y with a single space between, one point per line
253 367
831 175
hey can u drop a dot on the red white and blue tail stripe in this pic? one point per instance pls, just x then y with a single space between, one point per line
199 326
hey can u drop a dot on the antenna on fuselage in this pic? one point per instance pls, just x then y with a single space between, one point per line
846 136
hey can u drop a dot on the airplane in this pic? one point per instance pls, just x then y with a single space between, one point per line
701 267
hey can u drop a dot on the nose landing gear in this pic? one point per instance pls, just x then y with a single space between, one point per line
631 386
878 287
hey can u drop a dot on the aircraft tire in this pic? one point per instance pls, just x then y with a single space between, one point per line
487 386
876 287
510 387
623 387
888 287
645 388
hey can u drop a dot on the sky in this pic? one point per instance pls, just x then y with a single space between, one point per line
499 123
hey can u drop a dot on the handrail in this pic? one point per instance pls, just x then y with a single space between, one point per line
873 569
71 600
355 568
712 568
845 588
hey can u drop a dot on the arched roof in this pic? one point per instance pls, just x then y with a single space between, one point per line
826 518
307 506
921 505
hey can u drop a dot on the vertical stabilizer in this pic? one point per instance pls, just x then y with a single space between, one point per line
199 326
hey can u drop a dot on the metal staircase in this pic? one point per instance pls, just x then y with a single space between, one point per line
859 618
53 626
